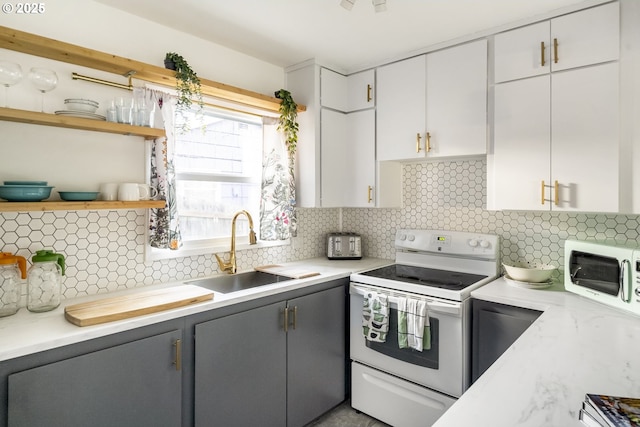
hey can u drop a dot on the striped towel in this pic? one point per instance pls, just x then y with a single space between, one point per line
414 330
375 317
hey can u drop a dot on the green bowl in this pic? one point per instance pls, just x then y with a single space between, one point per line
78 196
24 193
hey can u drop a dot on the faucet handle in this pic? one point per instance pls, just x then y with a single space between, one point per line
252 237
224 265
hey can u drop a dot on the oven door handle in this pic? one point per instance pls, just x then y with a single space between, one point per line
433 305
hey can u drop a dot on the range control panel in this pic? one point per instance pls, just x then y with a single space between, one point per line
448 242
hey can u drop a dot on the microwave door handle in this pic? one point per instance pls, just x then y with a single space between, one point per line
625 292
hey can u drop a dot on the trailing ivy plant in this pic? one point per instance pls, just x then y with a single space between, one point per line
287 123
188 85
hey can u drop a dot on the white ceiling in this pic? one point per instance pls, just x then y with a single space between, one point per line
287 32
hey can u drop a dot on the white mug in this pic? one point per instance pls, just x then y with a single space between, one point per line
132 191
147 192
109 191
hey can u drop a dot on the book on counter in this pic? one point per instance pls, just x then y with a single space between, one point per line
601 410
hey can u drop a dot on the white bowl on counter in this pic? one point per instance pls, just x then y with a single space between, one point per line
530 273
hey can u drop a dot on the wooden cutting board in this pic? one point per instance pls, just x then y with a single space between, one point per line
127 306
292 272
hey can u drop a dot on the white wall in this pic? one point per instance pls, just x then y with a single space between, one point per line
71 159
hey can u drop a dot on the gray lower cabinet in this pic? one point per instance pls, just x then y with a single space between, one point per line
281 364
133 384
495 327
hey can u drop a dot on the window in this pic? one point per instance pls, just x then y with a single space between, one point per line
218 167
218 172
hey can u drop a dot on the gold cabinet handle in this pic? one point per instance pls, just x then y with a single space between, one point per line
418 138
556 197
177 346
369 193
427 143
295 316
542 49
286 319
555 50
542 190
369 98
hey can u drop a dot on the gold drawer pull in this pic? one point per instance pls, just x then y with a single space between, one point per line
542 49
369 98
542 188
418 138
555 50
427 143
556 189
177 345
369 192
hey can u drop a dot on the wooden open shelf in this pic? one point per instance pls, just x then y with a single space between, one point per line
59 205
65 52
37 118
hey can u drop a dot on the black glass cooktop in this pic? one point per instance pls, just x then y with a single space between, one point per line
444 279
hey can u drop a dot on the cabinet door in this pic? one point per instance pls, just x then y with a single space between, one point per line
335 158
401 109
585 138
521 145
316 355
457 100
134 384
240 369
519 53
359 186
587 37
333 90
361 90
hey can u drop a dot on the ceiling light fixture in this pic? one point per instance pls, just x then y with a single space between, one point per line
378 5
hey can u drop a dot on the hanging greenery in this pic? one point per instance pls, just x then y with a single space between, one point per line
287 122
187 83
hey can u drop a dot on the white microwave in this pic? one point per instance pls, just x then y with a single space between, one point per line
607 273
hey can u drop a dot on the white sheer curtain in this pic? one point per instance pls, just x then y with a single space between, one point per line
164 228
278 218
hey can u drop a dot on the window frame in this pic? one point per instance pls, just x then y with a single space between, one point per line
217 245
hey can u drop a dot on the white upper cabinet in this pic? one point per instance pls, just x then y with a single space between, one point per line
457 101
588 37
582 38
360 88
401 109
333 90
433 106
556 142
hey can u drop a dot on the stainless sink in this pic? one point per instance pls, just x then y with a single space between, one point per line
238 282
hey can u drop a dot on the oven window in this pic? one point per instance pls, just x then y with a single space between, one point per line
596 272
426 358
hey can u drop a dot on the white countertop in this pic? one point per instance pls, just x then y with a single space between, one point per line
26 333
576 346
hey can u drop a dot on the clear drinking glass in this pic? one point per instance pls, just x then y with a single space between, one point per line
44 80
10 74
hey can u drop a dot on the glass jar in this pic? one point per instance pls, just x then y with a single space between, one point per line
13 270
45 281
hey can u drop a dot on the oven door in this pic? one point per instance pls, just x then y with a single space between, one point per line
444 367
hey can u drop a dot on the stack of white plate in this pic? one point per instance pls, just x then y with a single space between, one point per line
78 107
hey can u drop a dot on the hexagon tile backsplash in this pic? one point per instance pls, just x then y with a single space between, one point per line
105 249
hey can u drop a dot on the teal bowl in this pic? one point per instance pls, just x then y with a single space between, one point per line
24 193
78 196
39 183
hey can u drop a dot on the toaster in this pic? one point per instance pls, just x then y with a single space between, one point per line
344 246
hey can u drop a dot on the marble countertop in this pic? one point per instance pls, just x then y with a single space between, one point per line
26 333
576 346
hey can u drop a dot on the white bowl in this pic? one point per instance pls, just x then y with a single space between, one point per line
81 105
538 273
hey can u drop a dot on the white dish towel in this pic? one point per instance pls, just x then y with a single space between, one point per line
375 317
417 324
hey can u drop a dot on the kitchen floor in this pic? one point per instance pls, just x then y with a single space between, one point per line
345 416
